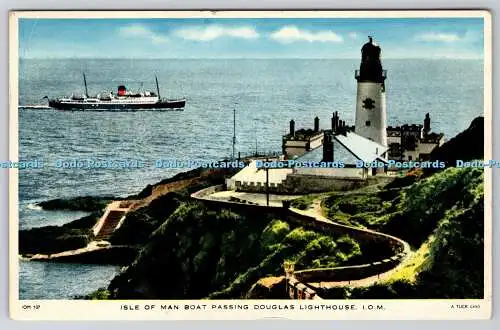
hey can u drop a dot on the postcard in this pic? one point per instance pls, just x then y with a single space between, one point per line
181 165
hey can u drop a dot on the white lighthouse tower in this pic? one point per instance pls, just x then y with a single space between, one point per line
371 114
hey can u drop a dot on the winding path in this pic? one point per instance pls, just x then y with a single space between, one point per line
302 284
317 213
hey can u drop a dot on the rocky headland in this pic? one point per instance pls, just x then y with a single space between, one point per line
173 246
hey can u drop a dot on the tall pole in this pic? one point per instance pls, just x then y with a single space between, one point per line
267 183
85 84
234 129
255 132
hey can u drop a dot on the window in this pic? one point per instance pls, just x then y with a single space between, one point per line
410 157
368 123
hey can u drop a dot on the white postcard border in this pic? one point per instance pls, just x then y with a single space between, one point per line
400 309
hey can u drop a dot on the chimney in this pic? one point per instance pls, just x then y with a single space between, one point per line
292 128
343 129
316 124
427 124
327 147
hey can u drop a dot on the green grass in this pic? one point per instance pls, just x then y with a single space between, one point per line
304 202
221 254
99 294
415 264
442 217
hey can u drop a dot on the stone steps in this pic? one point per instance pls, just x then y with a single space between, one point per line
110 223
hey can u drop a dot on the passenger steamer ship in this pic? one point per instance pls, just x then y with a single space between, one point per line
123 100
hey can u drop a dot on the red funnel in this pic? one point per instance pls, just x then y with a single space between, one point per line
122 90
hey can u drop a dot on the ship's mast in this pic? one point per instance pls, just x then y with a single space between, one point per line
85 84
157 87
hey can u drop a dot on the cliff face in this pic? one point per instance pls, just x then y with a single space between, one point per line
467 145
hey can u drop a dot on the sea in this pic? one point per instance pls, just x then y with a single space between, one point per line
262 95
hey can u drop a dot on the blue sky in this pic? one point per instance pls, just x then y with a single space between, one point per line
460 38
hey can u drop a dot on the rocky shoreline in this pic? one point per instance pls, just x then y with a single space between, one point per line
70 242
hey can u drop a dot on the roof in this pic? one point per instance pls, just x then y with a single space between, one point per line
362 148
349 148
340 153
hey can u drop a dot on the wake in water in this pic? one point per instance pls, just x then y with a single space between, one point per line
34 207
34 106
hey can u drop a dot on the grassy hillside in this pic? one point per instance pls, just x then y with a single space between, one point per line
442 217
411 213
198 253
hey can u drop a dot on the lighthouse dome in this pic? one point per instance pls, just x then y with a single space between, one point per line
370 49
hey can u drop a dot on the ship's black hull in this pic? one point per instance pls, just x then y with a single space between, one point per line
162 105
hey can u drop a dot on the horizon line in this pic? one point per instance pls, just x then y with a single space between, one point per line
248 58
